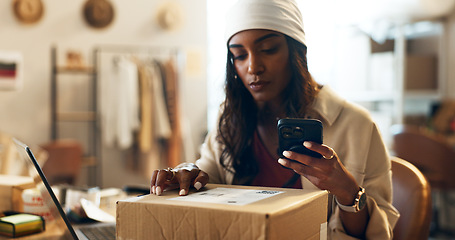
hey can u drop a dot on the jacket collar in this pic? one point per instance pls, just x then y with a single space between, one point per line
328 105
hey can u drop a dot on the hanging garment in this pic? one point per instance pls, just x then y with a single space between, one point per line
146 131
155 127
162 124
174 147
120 112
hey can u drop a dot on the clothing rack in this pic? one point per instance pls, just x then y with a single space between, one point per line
122 49
93 153
134 50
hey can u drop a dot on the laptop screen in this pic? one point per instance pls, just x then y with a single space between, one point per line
58 223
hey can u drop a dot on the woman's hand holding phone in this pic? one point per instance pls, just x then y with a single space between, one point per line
293 132
301 149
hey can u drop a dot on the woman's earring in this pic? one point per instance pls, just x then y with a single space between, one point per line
235 76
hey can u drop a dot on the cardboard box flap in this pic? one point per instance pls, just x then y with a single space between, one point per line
10 183
291 198
13 180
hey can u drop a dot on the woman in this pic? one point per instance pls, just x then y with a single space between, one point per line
267 79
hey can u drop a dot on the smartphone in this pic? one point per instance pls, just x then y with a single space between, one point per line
292 132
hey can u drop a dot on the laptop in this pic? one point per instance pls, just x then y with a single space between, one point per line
88 231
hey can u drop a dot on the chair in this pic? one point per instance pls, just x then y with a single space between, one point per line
433 156
64 162
412 198
430 153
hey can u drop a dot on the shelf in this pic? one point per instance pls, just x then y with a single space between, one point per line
72 119
422 29
89 161
75 70
422 94
368 96
76 116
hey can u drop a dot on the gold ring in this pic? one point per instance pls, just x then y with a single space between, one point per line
173 173
328 158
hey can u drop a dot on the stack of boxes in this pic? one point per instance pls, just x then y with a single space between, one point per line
11 188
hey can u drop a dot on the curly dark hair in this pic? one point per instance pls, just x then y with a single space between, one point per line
238 118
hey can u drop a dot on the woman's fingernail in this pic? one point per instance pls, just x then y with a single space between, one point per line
286 154
153 189
158 191
182 192
307 144
282 161
198 185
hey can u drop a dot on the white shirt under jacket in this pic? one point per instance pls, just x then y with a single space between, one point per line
351 132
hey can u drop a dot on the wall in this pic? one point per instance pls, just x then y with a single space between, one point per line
25 114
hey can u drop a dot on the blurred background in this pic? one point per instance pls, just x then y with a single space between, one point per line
66 70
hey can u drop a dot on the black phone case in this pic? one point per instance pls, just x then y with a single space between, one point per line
292 132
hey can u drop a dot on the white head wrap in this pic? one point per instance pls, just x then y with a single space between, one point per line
278 15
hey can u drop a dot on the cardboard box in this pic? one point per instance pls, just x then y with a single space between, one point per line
421 72
11 188
225 212
387 46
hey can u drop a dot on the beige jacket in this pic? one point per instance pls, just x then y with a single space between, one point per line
350 131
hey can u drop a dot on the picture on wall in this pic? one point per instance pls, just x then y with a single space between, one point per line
11 64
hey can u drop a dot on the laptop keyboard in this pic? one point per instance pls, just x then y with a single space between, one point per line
102 232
